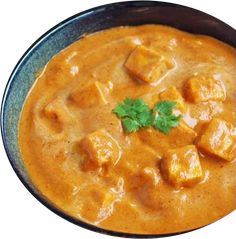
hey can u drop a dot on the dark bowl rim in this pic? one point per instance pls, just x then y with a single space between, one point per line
32 47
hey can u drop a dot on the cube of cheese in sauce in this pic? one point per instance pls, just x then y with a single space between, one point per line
219 139
147 64
57 109
178 137
181 166
172 94
146 186
101 148
140 152
204 88
96 202
91 95
149 176
57 116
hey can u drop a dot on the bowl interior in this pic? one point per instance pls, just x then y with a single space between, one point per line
70 30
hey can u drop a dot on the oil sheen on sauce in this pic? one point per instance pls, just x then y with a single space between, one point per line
130 195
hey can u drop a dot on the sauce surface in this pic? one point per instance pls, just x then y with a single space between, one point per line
130 190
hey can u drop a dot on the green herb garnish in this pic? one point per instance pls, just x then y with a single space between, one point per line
136 114
164 120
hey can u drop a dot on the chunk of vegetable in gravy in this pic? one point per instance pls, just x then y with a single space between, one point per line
204 88
219 139
179 136
101 204
132 129
91 95
148 65
101 148
181 166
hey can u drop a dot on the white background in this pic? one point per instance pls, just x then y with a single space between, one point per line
21 23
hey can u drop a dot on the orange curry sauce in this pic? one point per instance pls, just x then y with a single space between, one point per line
80 158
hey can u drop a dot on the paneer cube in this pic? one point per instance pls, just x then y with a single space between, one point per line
140 152
205 111
107 208
146 186
219 139
91 95
172 94
147 65
101 148
181 166
96 202
55 115
204 88
178 137
149 176
58 110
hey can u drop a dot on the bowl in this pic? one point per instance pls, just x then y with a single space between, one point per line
95 19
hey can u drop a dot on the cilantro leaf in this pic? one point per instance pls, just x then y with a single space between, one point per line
173 120
164 120
120 110
165 107
166 123
161 124
145 118
134 113
130 125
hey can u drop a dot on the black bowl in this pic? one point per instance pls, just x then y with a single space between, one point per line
70 30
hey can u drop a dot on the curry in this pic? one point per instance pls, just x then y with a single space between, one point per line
132 129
